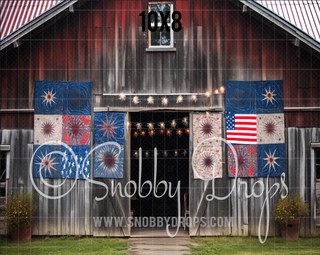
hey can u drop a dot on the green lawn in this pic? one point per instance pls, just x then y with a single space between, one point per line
65 245
251 245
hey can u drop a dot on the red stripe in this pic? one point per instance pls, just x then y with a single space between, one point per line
246 123
242 139
242 134
245 118
246 128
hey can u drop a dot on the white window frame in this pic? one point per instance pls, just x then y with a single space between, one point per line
159 25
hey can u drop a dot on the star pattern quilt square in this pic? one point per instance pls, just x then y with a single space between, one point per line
109 127
270 128
270 97
206 126
208 162
72 155
77 98
47 161
271 160
240 97
47 128
48 97
76 129
247 158
108 161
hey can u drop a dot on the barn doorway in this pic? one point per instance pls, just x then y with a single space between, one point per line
169 133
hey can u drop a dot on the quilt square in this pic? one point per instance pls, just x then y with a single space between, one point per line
108 161
270 97
72 155
47 161
77 99
76 129
247 161
109 127
271 160
47 128
208 162
48 97
206 126
240 97
270 128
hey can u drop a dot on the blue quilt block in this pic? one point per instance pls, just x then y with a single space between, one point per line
77 98
240 97
271 160
48 97
47 161
270 97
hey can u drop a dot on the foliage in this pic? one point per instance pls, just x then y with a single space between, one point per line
66 245
290 207
19 211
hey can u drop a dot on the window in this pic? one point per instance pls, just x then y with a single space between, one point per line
317 166
3 189
164 38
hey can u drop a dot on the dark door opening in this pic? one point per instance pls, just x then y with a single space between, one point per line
172 143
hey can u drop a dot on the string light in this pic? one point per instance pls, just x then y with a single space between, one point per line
173 123
150 100
194 98
136 154
169 132
207 94
187 130
222 89
135 134
216 91
179 132
147 154
161 131
162 125
185 152
165 154
150 126
129 124
138 126
135 100
143 133
151 133
176 153
179 99
185 121
122 97
164 101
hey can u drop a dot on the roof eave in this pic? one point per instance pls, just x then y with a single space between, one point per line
36 22
283 23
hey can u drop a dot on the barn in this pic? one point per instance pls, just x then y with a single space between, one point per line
162 83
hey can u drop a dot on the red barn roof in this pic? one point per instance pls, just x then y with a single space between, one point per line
14 14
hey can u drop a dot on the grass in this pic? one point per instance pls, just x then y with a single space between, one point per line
65 245
251 245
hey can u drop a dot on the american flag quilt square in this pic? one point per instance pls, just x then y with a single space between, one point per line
47 128
270 128
208 162
206 127
108 161
247 158
71 157
47 161
76 129
109 127
77 98
241 128
240 97
271 160
270 97
48 97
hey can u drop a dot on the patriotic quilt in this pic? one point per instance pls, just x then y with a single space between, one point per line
62 123
255 128
207 148
108 160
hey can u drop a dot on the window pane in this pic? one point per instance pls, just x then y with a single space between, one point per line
166 8
156 8
317 156
155 38
165 37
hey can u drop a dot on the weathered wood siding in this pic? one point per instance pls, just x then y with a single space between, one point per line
102 42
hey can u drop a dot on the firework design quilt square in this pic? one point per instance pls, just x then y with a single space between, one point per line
240 97
270 97
48 96
247 159
72 156
270 128
208 162
77 98
76 129
271 160
47 161
109 127
47 128
108 161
